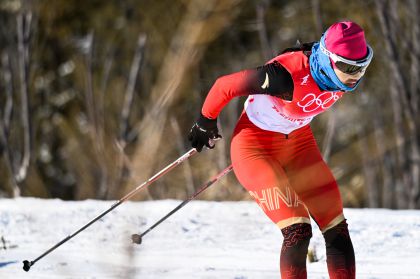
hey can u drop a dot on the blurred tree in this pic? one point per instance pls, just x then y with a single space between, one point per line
85 98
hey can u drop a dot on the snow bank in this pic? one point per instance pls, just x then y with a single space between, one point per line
203 240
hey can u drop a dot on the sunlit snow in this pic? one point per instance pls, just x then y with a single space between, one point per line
203 240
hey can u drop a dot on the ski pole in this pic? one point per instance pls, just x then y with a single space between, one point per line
27 264
137 238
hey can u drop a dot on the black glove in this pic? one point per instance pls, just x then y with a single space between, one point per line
203 133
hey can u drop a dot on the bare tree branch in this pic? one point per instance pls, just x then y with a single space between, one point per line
388 21
414 53
89 96
8 83
95 130
5 150
24 30
131 84
261 10
109 60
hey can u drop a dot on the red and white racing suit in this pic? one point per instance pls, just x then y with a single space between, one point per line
273 151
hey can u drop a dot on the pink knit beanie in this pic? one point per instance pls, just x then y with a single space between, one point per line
346 39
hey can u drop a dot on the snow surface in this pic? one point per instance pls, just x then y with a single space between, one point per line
203 240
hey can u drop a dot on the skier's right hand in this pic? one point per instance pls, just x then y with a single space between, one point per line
203 133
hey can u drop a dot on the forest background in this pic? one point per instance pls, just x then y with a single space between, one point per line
97 96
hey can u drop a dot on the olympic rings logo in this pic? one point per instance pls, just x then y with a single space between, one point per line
324 101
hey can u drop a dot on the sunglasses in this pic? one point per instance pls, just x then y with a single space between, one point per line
351 67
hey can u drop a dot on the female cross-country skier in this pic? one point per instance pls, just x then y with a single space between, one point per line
273 151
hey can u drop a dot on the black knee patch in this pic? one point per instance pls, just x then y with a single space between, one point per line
338 237
340 253
296 234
